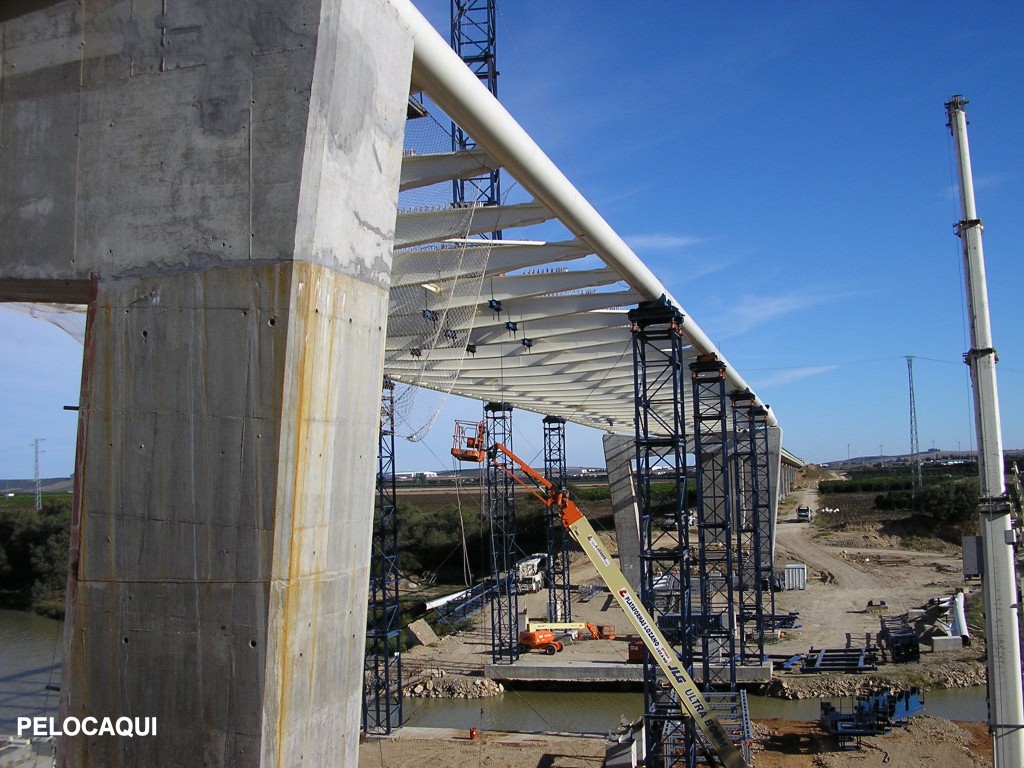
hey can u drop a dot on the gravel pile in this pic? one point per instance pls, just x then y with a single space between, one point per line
439 685
947 675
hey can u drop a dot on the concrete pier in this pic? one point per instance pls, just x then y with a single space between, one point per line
619 451
219 181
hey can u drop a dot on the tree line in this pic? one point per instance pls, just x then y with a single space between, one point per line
34 555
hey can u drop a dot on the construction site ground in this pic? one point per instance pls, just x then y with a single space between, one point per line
844 572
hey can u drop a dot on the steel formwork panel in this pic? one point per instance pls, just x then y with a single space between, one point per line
500 516
557 571
382 669
716 566
664 531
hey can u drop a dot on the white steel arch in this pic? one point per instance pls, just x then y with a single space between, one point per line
568 350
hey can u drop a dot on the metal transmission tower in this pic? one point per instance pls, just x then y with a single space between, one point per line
39 487
751 510
999 579
559 598
915 449
664 532
716 625
500 514
382 692
473 38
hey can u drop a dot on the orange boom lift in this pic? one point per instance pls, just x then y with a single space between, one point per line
469 445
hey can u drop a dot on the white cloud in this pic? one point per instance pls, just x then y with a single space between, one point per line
657 241
749 312
795 374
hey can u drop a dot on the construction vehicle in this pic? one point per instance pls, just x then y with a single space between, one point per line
541 639
469 445
596 631
530 573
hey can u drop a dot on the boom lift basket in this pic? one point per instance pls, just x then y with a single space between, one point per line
468 444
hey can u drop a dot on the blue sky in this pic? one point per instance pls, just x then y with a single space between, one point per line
784 169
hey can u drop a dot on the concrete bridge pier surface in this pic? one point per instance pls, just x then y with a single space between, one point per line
219 182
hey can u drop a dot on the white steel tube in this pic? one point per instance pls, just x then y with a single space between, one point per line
999 578
439 71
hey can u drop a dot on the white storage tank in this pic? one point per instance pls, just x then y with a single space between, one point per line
795 576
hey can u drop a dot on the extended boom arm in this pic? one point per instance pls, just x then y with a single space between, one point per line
583 533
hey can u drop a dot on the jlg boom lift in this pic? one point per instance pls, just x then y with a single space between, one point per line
469 445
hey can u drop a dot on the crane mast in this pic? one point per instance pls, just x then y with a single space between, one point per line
999 579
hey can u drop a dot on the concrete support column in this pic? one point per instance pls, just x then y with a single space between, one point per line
227 176
619 451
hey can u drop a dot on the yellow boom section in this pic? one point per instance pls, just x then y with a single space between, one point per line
689 694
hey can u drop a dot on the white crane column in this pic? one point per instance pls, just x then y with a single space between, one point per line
999 580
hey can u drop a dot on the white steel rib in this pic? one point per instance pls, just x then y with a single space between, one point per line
578 364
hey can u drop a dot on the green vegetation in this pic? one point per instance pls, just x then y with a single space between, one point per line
954 501
590 493
945 508
974 611
878 479
34 553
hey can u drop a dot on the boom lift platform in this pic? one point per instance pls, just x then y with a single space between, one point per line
595 631
469 445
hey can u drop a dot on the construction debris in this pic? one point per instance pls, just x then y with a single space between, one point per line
874 713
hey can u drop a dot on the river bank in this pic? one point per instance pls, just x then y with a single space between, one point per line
779 743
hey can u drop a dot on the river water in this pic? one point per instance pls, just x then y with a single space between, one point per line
30 659
581 712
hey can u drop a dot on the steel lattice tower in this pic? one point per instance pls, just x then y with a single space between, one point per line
915 447
716 567
559 598
473 38
765 518
664 533
500 515
750 563
382 692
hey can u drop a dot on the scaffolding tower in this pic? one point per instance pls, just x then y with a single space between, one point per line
750 510
500 516
473 38
557 574
382 669
716 624
664 532
765 516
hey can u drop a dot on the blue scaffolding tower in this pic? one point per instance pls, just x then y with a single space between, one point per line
753 571
473 38
716 566
500 516
382 668
557 573
664 533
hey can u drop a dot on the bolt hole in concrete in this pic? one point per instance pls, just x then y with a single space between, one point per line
124 640
252 643
271 322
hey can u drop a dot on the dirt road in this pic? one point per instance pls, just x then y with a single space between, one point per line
842 579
